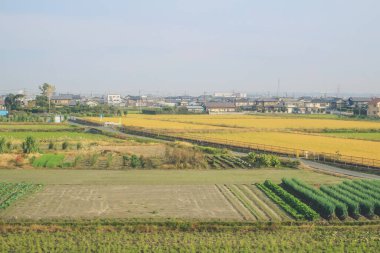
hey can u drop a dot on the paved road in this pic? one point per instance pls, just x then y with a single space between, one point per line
329 168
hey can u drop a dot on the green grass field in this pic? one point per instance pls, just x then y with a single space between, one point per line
162 177
49 161
57 136
36 126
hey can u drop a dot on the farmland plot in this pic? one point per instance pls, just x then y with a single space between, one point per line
139 201
204 202
288 132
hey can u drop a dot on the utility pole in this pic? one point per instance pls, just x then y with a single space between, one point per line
140 100
278 87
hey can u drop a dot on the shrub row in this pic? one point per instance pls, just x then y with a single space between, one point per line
294 202
318 203
365 184
352 206
316 199
366 208
375 203
276 199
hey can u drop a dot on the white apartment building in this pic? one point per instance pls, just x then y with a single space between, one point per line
112 99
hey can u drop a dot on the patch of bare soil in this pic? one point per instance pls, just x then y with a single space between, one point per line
122 201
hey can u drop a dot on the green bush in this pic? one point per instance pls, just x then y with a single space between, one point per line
79 145
125 160
9 146
3 147
29 145
263 160
51 145
49 161
65 145
212 151
135 161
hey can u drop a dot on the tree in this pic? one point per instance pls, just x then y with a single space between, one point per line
47 90
42 101
13 102
30 145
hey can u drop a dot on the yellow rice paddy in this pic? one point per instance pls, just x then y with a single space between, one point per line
262 130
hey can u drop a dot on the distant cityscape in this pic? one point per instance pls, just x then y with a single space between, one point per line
218 102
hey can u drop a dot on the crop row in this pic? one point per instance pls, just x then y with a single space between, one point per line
10 193
354 198
319 201
304 210
276 199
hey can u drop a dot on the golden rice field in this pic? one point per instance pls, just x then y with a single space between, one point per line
320 144
260 122
267 130
153 122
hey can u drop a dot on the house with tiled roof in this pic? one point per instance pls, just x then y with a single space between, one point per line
374 108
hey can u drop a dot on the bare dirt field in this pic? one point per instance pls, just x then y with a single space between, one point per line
122 201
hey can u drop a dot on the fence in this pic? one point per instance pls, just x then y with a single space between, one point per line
250 147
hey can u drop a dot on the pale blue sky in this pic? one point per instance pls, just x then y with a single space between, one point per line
194 46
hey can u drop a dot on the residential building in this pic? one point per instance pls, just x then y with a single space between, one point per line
195 108
358 101
219 107
113 99
292 105
268 105
374 108
317 105
244 102
64 99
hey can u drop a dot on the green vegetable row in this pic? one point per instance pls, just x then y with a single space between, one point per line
319 201
291 200
276 199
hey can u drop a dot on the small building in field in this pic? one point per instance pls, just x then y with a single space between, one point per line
374 108
219 107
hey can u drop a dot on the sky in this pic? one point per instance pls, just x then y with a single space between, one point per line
179 47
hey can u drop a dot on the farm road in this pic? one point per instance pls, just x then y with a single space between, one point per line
329 168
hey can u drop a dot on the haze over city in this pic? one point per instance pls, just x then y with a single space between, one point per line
169 47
